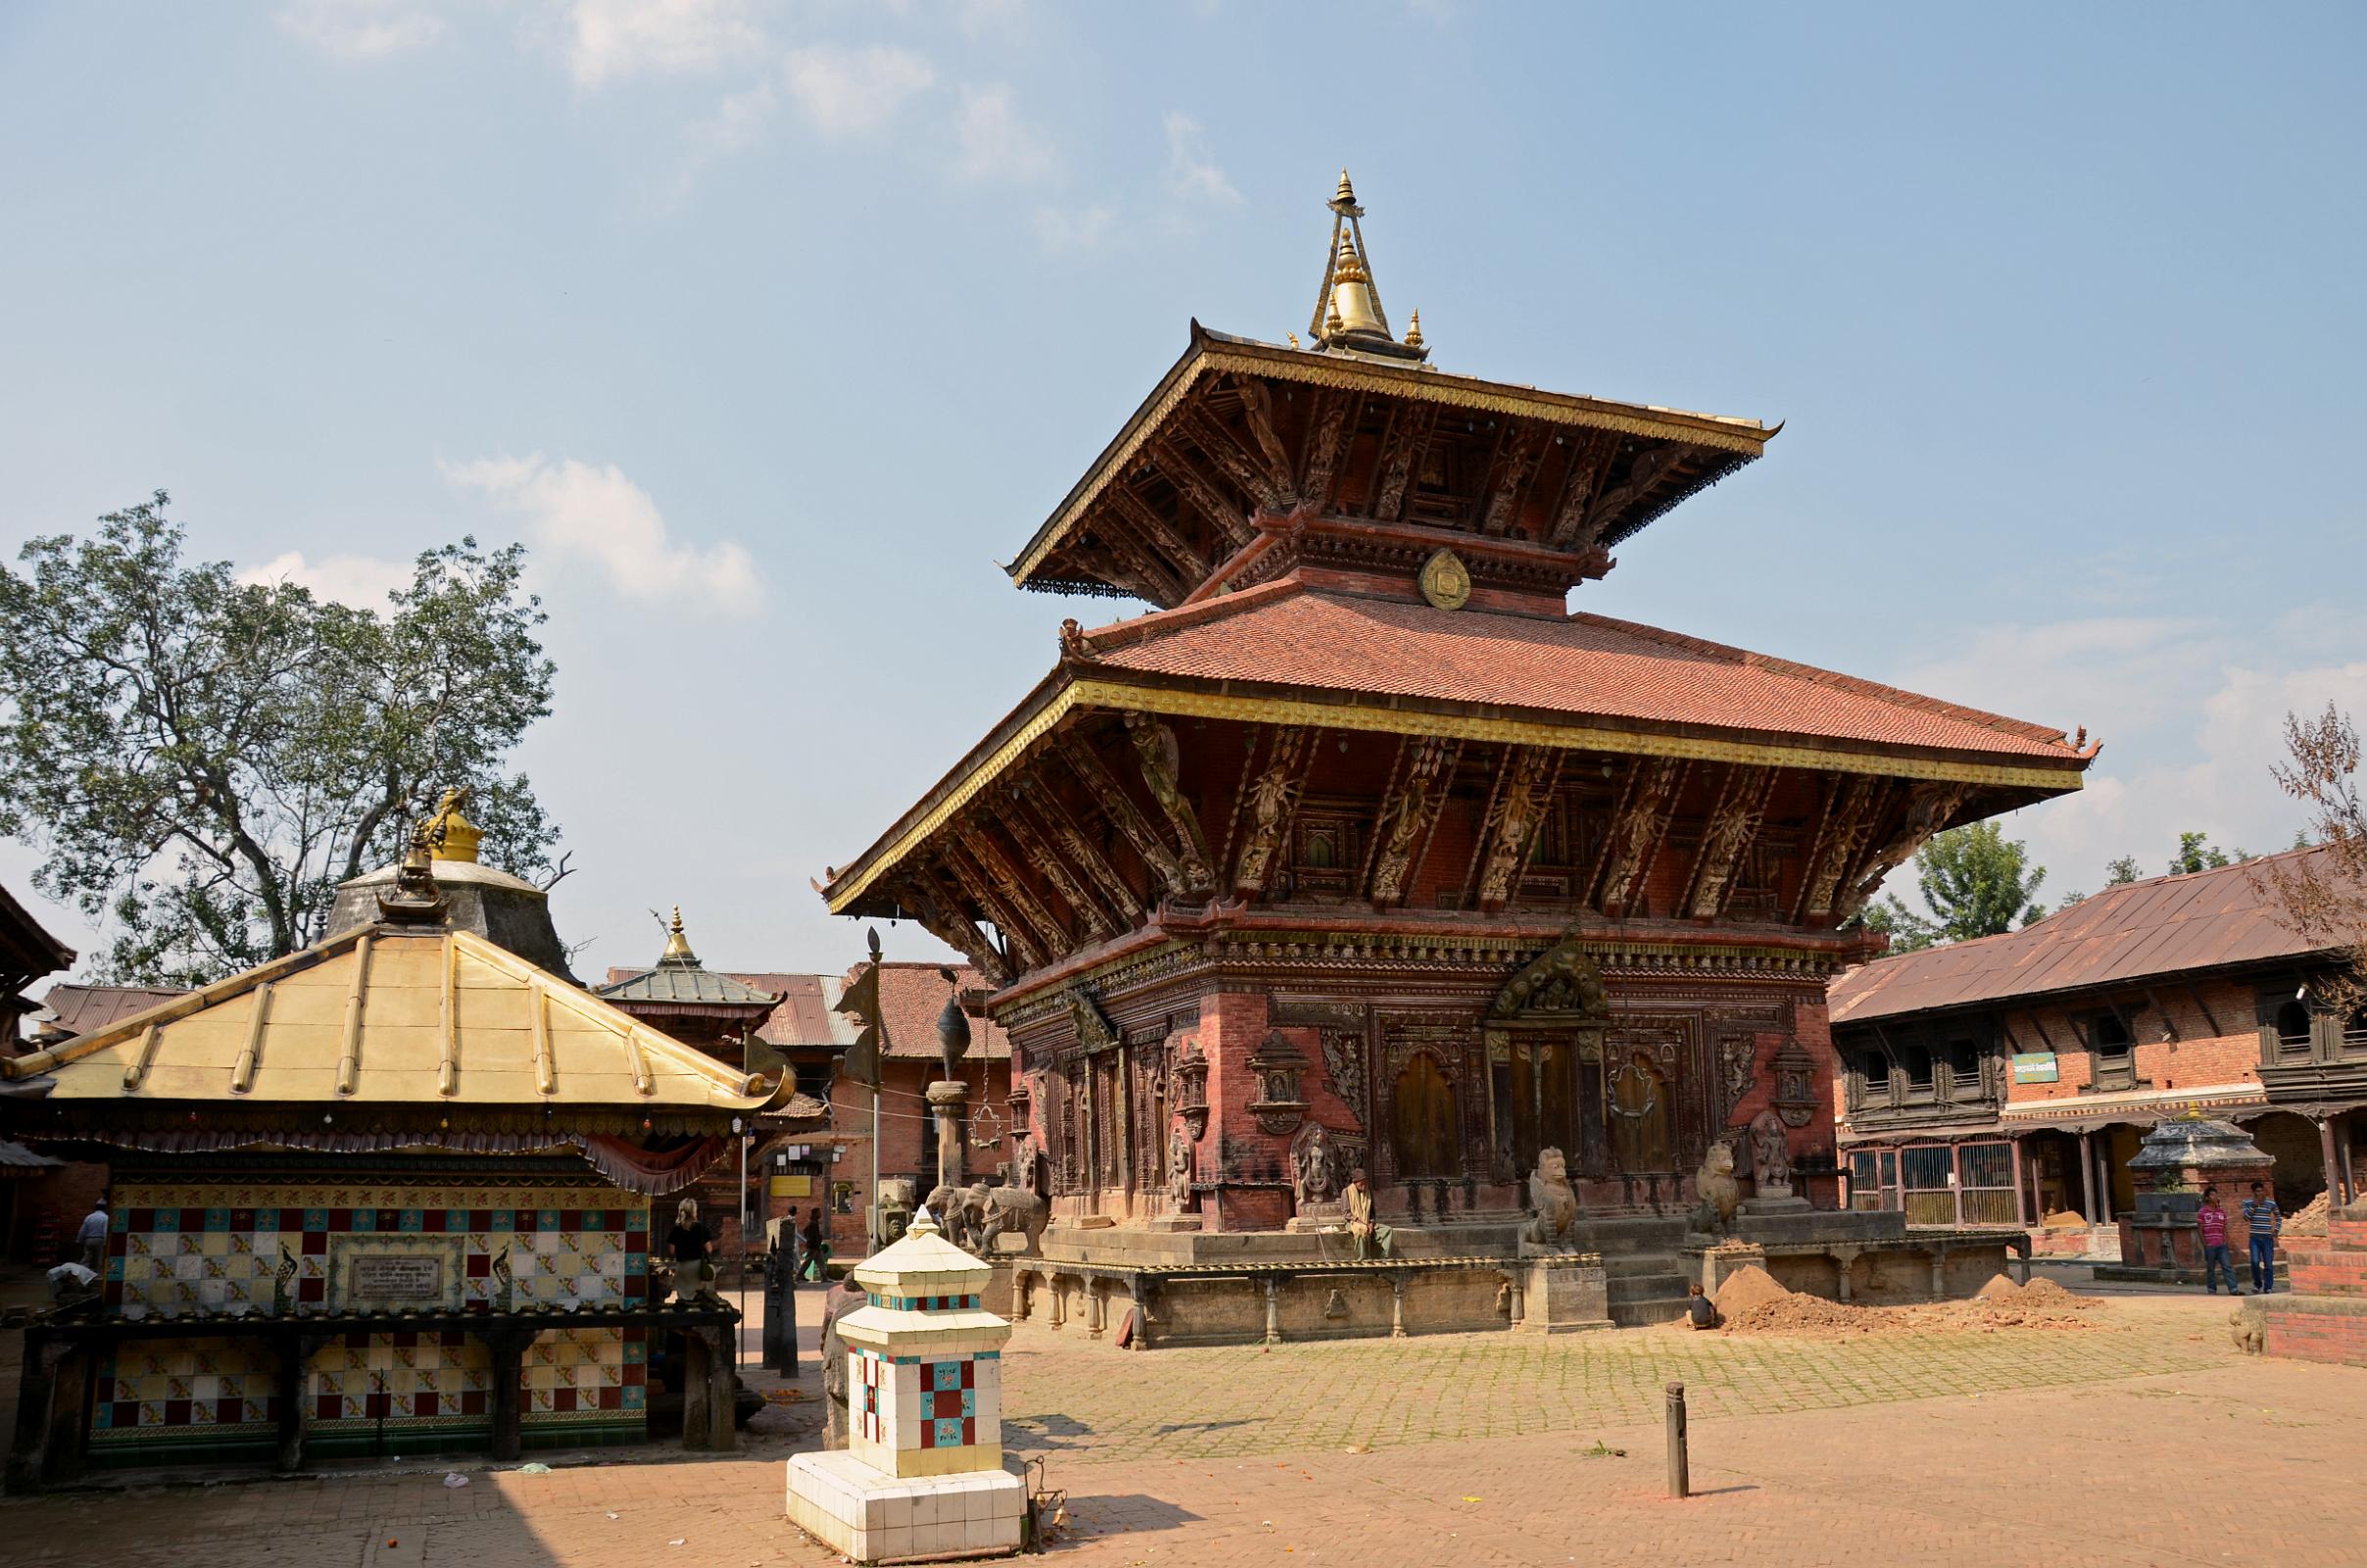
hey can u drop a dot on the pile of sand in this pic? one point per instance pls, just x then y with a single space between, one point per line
2043 1291
1752 1301
1747 1287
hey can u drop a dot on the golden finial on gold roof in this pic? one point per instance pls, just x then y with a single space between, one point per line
450 835
1352 293
677 946
1344 200
1413 331
1294 337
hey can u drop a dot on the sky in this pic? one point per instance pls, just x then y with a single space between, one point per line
771 328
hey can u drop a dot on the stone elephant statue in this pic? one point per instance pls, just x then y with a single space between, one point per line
976 1217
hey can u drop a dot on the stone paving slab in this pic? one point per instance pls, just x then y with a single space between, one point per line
2149 1444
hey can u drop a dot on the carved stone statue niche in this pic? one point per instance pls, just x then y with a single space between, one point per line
1314 1168
1770 1156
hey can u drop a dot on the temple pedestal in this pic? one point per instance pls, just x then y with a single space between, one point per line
1563 1293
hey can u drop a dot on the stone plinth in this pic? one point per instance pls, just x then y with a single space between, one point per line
1721 1263
1564 1293
922 1474
2324 1317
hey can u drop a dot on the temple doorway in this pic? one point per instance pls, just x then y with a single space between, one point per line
1424 1100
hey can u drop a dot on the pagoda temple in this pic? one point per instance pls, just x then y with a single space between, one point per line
1363 842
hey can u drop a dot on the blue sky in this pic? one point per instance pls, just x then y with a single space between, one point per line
773 327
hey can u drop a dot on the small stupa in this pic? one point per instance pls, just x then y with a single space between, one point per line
923 1475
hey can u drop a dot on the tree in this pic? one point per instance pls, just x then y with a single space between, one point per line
1975 881
204 760
2324 897
2121 872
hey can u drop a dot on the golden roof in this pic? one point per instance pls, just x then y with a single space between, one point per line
391 1016
450 835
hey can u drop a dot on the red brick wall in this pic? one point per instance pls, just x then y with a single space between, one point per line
2200 1057
901 1107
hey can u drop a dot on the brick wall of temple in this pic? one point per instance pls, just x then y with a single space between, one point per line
2218 1042
185 1248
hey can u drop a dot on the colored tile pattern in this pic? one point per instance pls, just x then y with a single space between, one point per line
215 1247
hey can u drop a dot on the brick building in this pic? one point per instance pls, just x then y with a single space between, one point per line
803 1032
2009 1079
41 1199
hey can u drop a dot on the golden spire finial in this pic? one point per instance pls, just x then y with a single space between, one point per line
1294 337
1413 331
450 835
677 946
1352 293
1345 197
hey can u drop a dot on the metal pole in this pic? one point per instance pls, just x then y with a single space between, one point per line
871 1200
1679 1478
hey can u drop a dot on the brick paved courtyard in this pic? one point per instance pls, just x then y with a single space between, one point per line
2146 1442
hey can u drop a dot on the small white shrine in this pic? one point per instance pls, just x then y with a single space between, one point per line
923 1475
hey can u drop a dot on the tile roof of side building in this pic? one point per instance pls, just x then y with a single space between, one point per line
2140 930
1591 666
911 994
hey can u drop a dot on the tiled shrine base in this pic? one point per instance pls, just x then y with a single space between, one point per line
164 1402
846 1504
192 1246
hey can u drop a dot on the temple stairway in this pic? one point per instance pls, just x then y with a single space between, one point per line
1642 1275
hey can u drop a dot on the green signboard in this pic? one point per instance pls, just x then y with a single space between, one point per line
2034 1067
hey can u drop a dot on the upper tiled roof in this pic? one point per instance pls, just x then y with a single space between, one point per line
1284 634
685 984
2136 931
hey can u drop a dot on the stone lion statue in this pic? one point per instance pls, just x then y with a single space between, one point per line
1553 1198
1722 1195
2249 1330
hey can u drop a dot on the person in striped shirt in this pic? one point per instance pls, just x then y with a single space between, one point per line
2260 1214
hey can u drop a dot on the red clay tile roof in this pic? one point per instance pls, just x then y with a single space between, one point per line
911 995
2138 931
1284 634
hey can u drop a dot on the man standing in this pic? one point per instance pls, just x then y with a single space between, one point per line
817 1246
2211 1221
2266 1224
92 1238
1372 1240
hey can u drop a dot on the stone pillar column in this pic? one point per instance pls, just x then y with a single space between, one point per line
508 1346
948 1101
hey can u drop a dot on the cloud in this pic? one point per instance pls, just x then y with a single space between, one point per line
845 92
2191 715
611 40
362 29
1083 228
978 18
598 515
1192 172
361 581
993 146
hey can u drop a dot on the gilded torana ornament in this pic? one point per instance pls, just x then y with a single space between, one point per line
1446 581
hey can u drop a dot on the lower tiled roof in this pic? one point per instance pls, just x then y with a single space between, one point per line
1590 665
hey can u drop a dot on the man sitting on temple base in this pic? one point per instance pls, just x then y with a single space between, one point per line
1372 1239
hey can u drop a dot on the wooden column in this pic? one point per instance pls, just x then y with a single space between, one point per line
2334 1169
708 1416
2087 1181
2350 1190
2022 1206
509 1351
29 1454
292 1352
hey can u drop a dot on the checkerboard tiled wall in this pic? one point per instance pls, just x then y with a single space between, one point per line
180 1249
911 1401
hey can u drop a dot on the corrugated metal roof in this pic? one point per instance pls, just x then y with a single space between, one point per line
86 1009
2138 931
18 1158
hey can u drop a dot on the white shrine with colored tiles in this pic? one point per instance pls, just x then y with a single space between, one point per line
923 1475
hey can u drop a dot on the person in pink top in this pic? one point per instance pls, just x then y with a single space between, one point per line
2211 1220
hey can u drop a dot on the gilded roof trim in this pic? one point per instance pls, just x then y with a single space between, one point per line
655 1058
1213 353
1390 718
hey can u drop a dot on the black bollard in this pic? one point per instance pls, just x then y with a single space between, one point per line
1679 1478
780 1312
